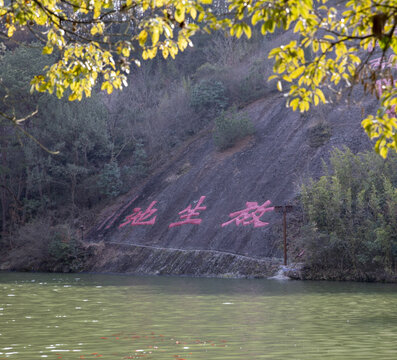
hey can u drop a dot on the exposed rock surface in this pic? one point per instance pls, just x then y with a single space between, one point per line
270 165
158 261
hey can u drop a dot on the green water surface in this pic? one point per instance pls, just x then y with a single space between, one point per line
85 316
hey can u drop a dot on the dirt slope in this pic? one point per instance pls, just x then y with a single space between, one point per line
270 165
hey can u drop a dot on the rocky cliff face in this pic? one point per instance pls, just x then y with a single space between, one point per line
286 149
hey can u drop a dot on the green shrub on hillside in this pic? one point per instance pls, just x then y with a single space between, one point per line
350 214
243 84
230 127
209 96
62 246
110 179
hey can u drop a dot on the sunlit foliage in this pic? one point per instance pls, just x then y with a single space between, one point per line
332 52
100 39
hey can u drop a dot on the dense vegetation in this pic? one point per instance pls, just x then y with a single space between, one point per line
350 216
107 145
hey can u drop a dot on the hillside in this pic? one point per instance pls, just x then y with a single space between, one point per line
285 149
153 145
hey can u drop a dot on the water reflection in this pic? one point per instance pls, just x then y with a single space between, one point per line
123 317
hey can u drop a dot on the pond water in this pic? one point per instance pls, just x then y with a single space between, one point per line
85 316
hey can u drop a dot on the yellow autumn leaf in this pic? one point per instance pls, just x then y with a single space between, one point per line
193 13
180 14
142 37
11 30
126 52
247 31
47 49
155 36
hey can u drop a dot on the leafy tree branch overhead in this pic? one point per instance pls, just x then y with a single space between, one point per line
98 40
101 37
336 42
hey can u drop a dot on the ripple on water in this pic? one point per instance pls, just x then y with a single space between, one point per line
181 318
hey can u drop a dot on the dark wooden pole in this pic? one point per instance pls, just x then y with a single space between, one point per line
285 234
284 209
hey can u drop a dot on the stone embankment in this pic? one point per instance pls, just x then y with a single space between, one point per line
138 259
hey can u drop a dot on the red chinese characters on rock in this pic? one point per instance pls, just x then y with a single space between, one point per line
188 214
141 218
250 215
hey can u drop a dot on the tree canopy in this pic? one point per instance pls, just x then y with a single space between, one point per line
336 45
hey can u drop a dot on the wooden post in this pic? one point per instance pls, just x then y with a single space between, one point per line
285 234
284 209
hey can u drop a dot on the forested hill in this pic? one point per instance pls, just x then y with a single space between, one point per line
206 130
283 151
